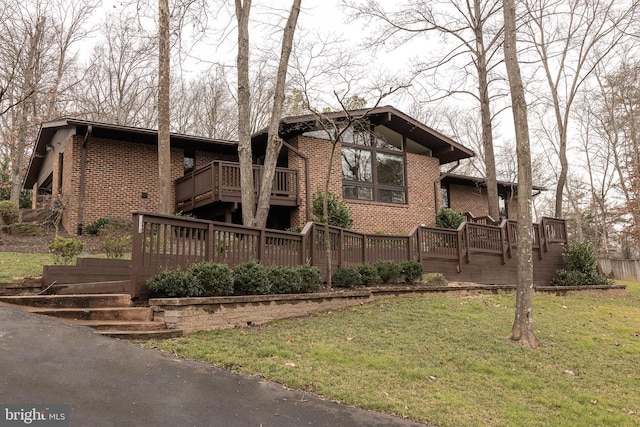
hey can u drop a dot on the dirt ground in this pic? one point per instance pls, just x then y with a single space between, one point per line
39 244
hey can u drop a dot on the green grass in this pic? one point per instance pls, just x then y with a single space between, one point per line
445 360
14 264
18 264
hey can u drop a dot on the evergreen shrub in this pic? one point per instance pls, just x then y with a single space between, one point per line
250 278
311 278
412 271
389 271
346 277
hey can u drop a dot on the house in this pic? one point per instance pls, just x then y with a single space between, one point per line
387 171
469 194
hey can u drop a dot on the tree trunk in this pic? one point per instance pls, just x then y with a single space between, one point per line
485 114
253 215
274 143
245 156
164 143
522 330
325 213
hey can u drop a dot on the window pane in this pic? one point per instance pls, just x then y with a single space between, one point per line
189 161
356 165
444 196
390 169
357 192
387 139
392 196
502 205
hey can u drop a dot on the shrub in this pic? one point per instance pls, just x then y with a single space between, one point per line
578 278
346 277
250 278
449 218
582 267
210 279
368 274
100 223
9 212
284 280
65 250
115 237
339 213
311 278
389 271
580 256
412 271
172 283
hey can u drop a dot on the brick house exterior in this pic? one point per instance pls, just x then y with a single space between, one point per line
99 169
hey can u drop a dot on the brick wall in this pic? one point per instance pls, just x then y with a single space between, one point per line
466 198
117 174
369 217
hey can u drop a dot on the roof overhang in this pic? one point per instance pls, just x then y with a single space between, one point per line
442 147
48 130
481 182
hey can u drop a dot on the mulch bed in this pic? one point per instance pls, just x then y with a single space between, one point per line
40 244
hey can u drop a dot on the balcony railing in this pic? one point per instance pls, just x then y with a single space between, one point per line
219 181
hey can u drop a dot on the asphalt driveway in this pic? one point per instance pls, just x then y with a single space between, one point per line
108 382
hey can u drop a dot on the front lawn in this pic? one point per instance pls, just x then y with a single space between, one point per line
445 360
16 264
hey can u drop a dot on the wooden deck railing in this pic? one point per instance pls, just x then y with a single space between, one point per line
220 181
164 241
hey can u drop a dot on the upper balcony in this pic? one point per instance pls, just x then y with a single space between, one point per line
219 181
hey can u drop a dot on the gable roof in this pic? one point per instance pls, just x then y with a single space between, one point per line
442 147
114 132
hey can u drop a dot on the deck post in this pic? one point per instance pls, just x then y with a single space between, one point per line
340 247
419 243
503 240
262 246
210 243
136 254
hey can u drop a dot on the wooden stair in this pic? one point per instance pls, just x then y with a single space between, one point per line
113 315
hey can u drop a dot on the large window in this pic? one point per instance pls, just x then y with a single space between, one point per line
373 164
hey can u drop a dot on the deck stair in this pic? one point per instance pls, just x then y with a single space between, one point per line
113 315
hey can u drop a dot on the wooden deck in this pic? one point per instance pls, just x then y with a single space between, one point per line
219 181
474 252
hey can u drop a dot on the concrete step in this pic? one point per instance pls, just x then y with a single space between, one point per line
144 335
70 301
109 287
120 313
119 325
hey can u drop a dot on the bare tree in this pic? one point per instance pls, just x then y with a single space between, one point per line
164 113
522 330
474 29
37 55
253 215
616 114
571 38
120 83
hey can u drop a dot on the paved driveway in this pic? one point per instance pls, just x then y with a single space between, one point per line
107 382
